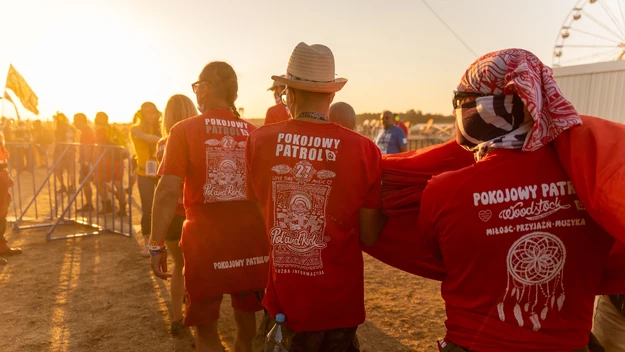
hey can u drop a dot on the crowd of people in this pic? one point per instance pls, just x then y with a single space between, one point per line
278 216
276 219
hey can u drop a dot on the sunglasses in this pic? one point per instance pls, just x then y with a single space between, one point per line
457 96
195 86
283 96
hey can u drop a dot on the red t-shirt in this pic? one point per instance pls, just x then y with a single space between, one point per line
310 180
403 127
223 238
523 257
87 138
160 151
276 113
5 196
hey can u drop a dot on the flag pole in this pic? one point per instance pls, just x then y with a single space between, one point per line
16 112
2 97
4 91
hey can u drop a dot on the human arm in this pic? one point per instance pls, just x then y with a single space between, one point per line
166 197
372 222
173 170
137 133
370 217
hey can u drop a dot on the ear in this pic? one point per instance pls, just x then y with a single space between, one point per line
290 96
332 97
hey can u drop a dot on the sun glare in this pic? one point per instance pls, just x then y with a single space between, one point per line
92 61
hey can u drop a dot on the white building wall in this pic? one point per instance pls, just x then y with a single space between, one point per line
595 89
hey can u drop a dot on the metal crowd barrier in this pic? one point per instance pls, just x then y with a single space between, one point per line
419 143
48 190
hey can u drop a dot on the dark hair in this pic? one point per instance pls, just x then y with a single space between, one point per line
101 118
138 120
224 81
80 117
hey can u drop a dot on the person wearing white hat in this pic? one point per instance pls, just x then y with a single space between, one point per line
301 172
278 112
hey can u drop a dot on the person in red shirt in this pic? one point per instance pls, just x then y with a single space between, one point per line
301 172
401 124
85 156
278 112
523 258
223 238
179 107
5 200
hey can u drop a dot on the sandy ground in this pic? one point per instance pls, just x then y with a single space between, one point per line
97 294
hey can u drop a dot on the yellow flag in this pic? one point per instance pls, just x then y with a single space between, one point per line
18 85
7 97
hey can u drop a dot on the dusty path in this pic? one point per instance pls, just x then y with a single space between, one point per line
97 294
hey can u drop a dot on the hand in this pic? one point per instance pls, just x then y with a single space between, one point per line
159 265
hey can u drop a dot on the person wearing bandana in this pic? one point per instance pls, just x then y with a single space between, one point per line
523 258
278 112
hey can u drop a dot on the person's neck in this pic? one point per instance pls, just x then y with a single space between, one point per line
215 104
312 108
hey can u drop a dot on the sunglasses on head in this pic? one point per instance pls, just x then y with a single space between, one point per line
457 96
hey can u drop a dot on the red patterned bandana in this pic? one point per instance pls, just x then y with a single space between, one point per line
517 71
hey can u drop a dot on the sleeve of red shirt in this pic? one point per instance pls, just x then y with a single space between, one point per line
409 242
249 153
269 117
428 241
373 199
176 158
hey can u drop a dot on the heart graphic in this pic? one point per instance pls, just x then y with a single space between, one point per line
266 258
485 215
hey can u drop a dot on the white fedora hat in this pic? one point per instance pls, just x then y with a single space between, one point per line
311 68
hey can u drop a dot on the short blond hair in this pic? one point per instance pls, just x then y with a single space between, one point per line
179 107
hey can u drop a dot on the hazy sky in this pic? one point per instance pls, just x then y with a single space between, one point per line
92 55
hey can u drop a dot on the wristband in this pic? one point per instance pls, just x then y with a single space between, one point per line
155 253
158 251
154 243
161 248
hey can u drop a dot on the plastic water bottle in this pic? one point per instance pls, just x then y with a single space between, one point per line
275 341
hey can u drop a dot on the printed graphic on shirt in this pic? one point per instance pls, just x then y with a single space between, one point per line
226 127
534 203
303 147
300 196
225 175
535 265
383 141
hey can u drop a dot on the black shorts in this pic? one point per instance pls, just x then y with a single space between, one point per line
174 233
339 340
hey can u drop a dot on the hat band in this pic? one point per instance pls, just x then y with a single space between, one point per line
295 78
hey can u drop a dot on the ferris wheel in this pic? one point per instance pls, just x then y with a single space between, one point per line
593 31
